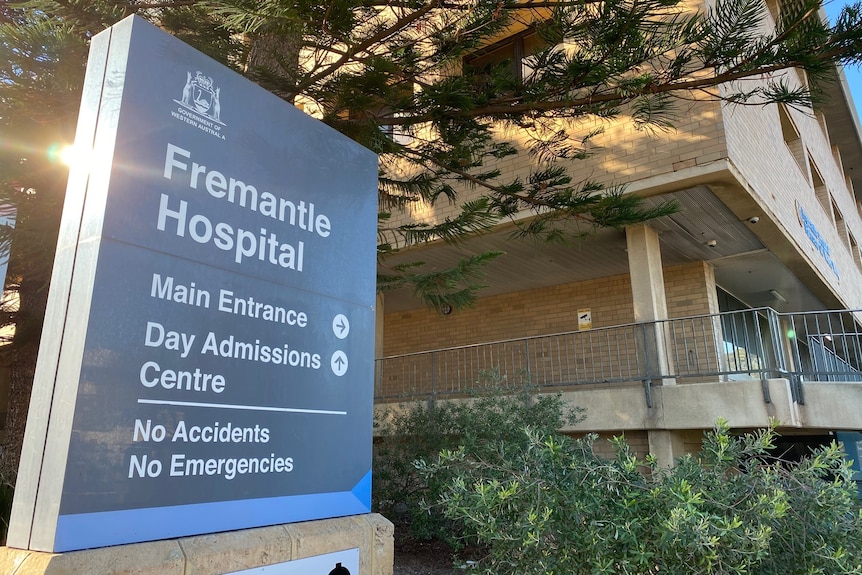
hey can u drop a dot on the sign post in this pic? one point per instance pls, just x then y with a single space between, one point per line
207 361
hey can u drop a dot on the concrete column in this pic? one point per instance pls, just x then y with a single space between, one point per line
650 304
648 296
646 273
711 287
666 446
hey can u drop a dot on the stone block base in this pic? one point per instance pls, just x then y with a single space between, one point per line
220 553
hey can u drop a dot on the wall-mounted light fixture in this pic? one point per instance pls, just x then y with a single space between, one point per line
775 293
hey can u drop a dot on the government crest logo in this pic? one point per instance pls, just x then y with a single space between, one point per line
200 104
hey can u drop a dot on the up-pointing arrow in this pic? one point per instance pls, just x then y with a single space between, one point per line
338 363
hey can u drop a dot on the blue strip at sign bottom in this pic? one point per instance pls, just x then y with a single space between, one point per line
89 530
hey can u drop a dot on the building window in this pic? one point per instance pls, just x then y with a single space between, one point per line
841 226
821 120
803 78
820 190
396 132
774 10
512 53
854 249
792 138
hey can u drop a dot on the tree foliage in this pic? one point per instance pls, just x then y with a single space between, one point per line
395 75
401 77
546 504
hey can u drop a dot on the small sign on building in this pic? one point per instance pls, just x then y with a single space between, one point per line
585 319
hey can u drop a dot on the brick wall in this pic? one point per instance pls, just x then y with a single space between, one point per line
621 155
690 290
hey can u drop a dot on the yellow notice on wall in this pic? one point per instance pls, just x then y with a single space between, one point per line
585 319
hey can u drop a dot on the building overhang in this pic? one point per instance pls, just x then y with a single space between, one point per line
844 128
704 229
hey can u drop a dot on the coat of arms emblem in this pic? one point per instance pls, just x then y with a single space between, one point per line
202 96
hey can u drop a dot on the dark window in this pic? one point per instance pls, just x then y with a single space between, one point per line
511 53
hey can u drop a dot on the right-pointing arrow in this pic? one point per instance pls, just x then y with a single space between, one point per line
340 326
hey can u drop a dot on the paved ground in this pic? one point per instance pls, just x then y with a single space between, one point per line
420 558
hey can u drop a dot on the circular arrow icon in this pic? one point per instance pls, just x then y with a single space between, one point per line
340 326
339 363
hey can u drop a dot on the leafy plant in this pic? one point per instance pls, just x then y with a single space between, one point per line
412 433
546 503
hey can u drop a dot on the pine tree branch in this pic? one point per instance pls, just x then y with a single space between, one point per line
776 41
612 98
527 5
164 4
536 203
466 176
372 40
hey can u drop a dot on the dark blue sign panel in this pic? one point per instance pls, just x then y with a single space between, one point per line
226 374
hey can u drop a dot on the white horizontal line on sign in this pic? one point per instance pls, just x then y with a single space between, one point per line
242 407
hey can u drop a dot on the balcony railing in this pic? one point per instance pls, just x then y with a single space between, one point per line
755 344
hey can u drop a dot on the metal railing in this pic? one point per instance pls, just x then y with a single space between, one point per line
752 344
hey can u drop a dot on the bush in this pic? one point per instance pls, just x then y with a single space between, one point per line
546 504
416 432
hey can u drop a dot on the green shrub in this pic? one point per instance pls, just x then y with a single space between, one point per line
411 433
546 504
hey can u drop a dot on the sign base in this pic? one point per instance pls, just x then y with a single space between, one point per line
221 553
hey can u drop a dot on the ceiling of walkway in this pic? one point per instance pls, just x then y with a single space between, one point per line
703 229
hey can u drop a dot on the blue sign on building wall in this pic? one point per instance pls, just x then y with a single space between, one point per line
207 361
816 239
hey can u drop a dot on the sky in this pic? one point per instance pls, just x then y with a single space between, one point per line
854 73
